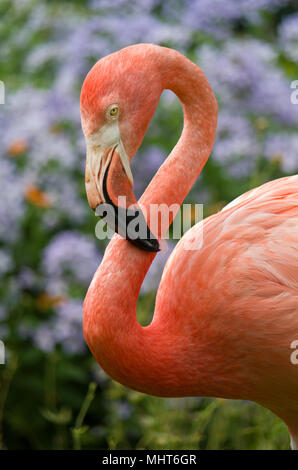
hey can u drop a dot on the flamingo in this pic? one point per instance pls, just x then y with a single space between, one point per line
226 314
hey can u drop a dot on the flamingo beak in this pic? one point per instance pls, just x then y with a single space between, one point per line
109 187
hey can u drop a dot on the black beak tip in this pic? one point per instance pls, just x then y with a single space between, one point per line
118 223
151 244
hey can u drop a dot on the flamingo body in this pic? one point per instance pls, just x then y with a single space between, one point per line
238 294
227 312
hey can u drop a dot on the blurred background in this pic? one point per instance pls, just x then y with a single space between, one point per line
52 393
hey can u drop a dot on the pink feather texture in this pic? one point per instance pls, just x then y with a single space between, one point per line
226 313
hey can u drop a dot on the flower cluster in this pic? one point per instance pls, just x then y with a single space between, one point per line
47 246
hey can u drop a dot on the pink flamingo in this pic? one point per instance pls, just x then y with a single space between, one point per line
226 314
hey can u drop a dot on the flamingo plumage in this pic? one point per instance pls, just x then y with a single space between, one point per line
226 314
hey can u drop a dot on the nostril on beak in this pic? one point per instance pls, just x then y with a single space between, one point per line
87 176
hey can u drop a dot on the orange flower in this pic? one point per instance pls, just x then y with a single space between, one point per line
261 124
46 301
277 158
37 197
17 147
216 207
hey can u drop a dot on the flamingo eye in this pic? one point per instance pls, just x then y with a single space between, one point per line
113 111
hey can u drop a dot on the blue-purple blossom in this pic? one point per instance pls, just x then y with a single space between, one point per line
236 144
199 194
42 336
249 83
235 137
244 76
20 125
144 166
64 195
122 408
64 329
68 329
11 207
49 147
288 36
69 257
217 18
27 278
154 274
284 148
141 6
5 262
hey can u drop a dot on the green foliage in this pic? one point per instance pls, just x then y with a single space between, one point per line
48 399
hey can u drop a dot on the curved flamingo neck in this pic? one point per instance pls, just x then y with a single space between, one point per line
147 358
178 173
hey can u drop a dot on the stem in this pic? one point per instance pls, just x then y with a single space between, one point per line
6 381
78 429
50 382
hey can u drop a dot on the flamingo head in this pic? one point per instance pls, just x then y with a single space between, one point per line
118 99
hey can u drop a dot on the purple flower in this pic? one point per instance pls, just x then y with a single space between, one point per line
11 208
48 147
125 5
43 336
31 103
5 262
234 138
69 257
63 191
236 145
144 167
68 329
122 409
283 147
64 329
27 278
257 86
153 276
288 36
241 168
199 194
43 53
218 18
